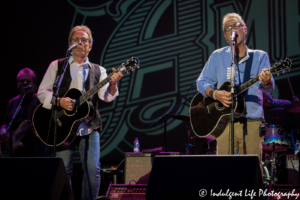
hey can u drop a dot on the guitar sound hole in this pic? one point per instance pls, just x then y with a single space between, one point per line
219 106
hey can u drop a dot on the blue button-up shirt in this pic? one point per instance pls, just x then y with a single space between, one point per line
217 71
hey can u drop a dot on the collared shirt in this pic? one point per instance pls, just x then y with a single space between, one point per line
76 70
215 73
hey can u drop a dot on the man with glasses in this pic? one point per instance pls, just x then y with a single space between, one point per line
78 74
248 64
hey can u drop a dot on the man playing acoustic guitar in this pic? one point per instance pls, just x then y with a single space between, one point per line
248 64
82 75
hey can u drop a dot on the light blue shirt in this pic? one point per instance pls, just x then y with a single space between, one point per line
214 74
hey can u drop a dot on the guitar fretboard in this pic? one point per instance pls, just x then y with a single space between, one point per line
246 85
129 65
275 69
95 89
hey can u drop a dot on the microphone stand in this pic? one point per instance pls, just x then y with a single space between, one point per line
57 84
232 78
164 117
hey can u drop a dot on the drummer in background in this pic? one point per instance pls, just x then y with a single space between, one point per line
276 114
270 102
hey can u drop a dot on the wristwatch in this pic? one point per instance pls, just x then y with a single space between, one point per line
211 93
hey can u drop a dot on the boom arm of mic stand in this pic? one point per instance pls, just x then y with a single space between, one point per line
165 120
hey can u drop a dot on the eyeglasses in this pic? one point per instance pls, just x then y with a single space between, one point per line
235 26
83 40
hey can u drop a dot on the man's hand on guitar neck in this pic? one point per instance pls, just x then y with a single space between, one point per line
265 78
112 88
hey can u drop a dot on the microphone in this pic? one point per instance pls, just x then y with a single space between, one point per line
233 35
73 46
28 87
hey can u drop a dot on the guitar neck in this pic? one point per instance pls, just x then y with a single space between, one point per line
129 65
23 131
275 69
248 84
95 89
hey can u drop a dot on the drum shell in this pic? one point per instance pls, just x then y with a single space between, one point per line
275 139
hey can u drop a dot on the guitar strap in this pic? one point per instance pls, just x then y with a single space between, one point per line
66 82
246 78
91 78
16 102
248 68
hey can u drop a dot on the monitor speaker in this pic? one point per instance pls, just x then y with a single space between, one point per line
193 177
34 178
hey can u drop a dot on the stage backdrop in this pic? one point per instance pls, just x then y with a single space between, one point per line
173 40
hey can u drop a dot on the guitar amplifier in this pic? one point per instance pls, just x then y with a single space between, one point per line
292 166
138 166
280 191
127 191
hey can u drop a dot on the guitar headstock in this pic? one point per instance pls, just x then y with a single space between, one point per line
129 65
281 67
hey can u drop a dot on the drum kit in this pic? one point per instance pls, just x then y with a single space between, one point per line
278 142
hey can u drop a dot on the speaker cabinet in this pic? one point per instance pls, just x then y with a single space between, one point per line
211 177
34 178
138 166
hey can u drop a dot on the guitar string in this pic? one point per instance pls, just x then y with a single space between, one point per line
89 93
92 91
246 85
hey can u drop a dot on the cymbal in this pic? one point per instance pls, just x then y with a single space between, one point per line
294 107
180 117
